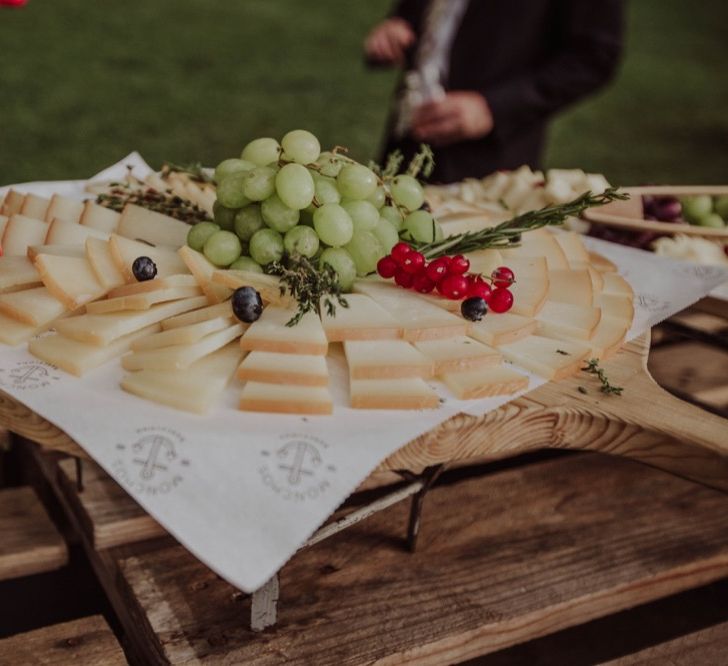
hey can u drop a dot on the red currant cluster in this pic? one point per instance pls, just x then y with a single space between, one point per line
448 275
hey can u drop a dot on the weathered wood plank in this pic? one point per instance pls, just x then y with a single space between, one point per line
539 549
87 641
29 541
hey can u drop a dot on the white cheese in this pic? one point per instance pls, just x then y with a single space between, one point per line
147 225
615 284
203 314
403 393
568 320
362 320
17 273
70 279
202 268
126 251
571 286
380 359
36 306
142 301
183 335
291 369
62 232
35 206
529 295
459 354
285 399
270 333
20 233
268 286
485 382
496 329
99 217
574 249
550 359
56 250
14 332
102 263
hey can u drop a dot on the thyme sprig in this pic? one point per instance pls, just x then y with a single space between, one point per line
309 285
507 234
194 170
592 367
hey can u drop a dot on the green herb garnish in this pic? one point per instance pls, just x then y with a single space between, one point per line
592 367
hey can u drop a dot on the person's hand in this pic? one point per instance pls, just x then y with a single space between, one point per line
389 40
459 116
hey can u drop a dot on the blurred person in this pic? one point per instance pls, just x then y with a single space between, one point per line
483 77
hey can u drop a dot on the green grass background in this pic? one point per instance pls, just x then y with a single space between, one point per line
83 83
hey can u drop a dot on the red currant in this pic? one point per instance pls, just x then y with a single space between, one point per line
503 277
413 262
454 287
422 282
387 266
400 251
501 300
459 265
438 269
403 278
477 286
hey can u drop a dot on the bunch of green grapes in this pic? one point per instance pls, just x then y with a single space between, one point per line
289 198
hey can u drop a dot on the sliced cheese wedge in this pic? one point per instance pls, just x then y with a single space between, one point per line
550 359
69 279
364 319
283 399
499 329
531 268
571 286
57 250
485 382
4 219
538 243
99 217
529 295
64 208
12 203
126 251
382 359
404 393
62 232
268 286
142 301
419 319
179 357
615 284
291 369
36 306
568 320
485 261
459 354
608 338
157 284
78 358
597 279
202 268
602 264
203 314
143 224
102 329
102 263
17 273
576 253
183 335
270 333
35 206
617 306
194 389
20 233
14 332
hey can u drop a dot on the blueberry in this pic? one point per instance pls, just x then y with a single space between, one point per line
474 308
144 269
247 304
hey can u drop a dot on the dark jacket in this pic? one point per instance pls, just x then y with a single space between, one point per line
530 59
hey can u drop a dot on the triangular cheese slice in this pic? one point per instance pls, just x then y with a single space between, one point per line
202 268
196 316
285 399
576 253
381 359
497 329
146 225
102 263
99 217
615 284
70 279
529 295
571 286
459 354
20 233
183 335
270 333
62 232
568 320
36 306
270 288
485 382
64 208
56 250
142 301
125 252
35 206
290 369
17 273
364 319
405 393
550 359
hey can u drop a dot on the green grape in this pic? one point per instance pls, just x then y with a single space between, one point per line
378 198
277 215
392 214
340 260
259 183
266 246
422 227
248 220
326 190
363 214
261 151
295 187
355 181
407 192
222 248
231 192
246 264
199 233
233 165
333 225
301 240
224 217
366 250
330 164
301 146
386 233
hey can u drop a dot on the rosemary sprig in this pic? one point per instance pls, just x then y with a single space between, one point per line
309 285
508 233
194 170
592 367
166 202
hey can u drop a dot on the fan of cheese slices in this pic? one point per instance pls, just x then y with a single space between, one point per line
67 289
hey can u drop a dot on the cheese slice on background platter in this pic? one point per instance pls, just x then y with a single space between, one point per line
142 301
102 329
615 284
485 261
419 319
14 332
497 329
597 279
56 250
403 393
17 273
529 295
270 333
36 306
380 359
285 399
12 203
35 206
617 306
78 358
291 369
64 208
202 268
573 247
485 382
571 321
178 357
202 314
601 263
538 243
532 268
62 232
183 335
126 251
364 319
194 389
70 279
156 284
459 354
102 263
143 224
268 286
550 359
99 217
20 233
4 219
571 286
